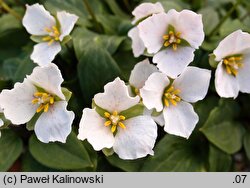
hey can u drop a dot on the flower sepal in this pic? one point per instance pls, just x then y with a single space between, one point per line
37 39
66 39
5 122
155 113
108 151
31 124
212 62
67 93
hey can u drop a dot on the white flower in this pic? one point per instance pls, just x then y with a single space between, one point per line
1 121
41 94
130 138
233 71
141 12
172 98
172 38
39 22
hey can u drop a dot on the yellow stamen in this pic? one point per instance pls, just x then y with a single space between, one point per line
51 42
171 96
172 38
46 107
34 101
232 64
165 37
122 117
115 113
166 44
44 100
40 108
47 38
113 128
166 102
173 102
174 46
115 120
107 123
122 125
106 114
53 35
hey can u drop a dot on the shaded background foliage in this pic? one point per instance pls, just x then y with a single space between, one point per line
99 52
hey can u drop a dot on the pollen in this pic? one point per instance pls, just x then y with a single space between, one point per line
53 35
171 96
113 120
172 39
44 100
233 64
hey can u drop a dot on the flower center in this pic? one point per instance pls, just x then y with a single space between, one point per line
114 120
171 96
53 35
44 100
172 38
233 63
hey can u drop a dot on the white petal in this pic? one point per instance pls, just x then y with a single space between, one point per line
37 19
226 85
235 43
137 140
115 97
158 119
190 25
146 9
92 128
138 47
67 22
193 84
17 102
243 75
49 78
151 31
1 122
54 125
43 53
153 90
173 62
180 120
140 73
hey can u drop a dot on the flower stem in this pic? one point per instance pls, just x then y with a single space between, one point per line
217 27
92 14
9 10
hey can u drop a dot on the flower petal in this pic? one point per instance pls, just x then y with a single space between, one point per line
138 47
115 97
140 73
37 19
43 53
180 120
193 84
235 43
151 31
243 76
54 125
190 25
1 122
173 62
49 78
67 22
158 119
226 85
153 90
17 102
137 139
92 128
146 9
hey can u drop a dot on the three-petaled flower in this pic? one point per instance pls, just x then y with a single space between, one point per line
40 94
172 38
233 71
172 97
140 13
130 138
51 30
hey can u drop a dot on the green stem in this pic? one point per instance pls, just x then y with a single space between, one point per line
92 14
217 27
9 10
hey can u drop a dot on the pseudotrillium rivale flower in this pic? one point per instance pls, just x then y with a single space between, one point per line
40 94
172 38
130 138
233 71
39 22
173 98
140 13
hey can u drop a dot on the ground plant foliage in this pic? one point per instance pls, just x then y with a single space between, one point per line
107 95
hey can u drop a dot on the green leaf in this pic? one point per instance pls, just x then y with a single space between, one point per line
247 144
230 26
175 154
126 165
116 9
11 148
219 161
95 69
71 155
221 129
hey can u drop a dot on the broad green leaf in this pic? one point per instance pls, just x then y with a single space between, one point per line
11 148
230 26
126 165
71 155
175 154
221 129
247 144
95 69
219 161
116 9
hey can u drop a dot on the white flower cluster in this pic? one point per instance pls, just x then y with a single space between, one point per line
163 90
